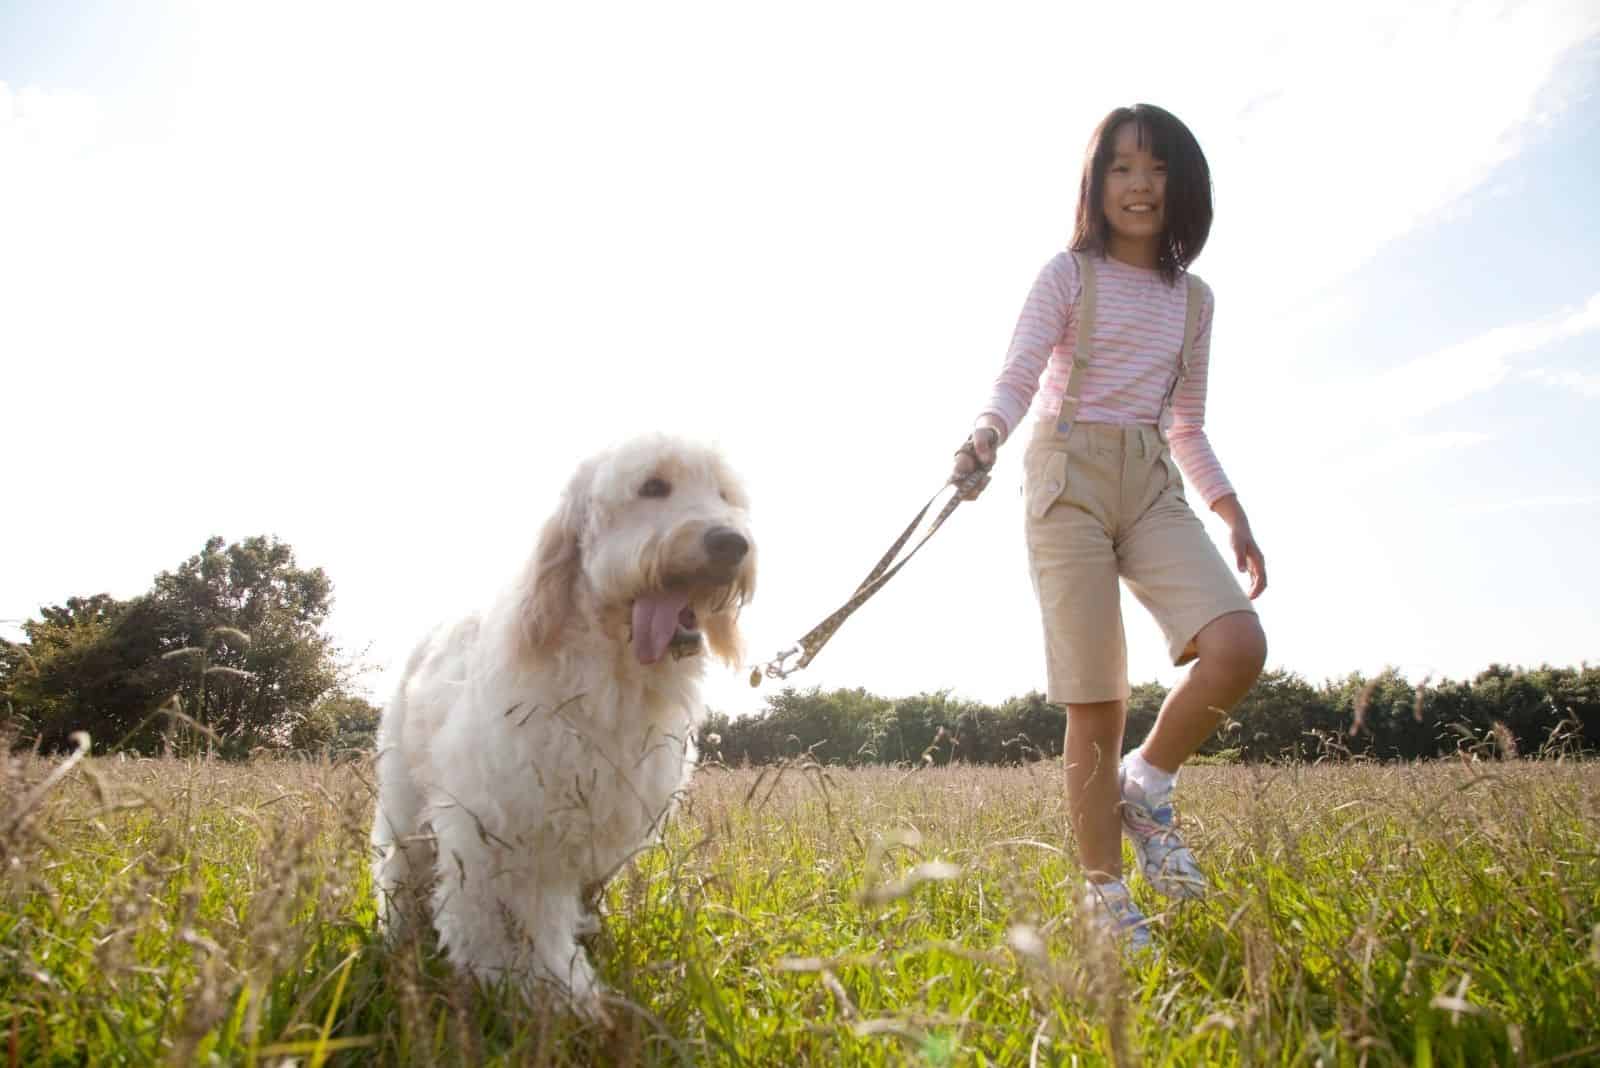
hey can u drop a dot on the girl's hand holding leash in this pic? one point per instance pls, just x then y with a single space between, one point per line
978 451
1246 553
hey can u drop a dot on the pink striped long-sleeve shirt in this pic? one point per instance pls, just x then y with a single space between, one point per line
1138 333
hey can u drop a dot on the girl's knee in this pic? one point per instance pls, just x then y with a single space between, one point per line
1252 644
1234 644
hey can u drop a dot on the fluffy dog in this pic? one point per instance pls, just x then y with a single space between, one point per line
544 740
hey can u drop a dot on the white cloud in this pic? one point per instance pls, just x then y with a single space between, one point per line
1472 366
1544 502
1581 382
1382 456
35 121
1382 410
1361 125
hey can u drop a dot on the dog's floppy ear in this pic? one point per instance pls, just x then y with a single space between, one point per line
722 635
549 586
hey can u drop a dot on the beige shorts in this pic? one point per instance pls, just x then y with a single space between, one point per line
1105 500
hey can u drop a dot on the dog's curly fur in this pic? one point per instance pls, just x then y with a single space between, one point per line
535 741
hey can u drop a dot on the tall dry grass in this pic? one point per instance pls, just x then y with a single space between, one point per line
181 912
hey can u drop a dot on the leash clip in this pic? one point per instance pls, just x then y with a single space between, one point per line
776 668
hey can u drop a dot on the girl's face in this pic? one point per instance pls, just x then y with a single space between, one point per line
1135 197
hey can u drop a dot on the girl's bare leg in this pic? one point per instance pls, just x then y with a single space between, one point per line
1093 749
1231 651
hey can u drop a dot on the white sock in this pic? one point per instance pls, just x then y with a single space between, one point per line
1156 784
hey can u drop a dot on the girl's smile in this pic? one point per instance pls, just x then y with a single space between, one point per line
1134 198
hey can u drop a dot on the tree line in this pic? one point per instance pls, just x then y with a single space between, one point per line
1502 711
227 653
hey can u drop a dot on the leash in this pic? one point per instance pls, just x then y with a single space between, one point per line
809 646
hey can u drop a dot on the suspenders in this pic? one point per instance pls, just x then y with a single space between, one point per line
1082 351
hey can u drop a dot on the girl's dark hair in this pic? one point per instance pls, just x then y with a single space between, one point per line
1188 196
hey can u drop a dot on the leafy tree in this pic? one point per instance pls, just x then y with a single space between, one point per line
1031 728
253 586
1281 718
342 723
231 641
86 664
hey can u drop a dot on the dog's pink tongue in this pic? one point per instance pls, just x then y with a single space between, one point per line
655 621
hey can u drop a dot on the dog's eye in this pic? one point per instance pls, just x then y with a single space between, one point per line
655 487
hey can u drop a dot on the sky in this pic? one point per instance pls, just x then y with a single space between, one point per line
372 278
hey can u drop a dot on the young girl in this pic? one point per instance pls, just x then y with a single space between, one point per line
1120 332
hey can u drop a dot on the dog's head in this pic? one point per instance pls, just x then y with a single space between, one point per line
653 539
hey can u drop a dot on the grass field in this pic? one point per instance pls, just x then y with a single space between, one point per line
184 912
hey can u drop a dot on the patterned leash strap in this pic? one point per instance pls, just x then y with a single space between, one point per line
809 646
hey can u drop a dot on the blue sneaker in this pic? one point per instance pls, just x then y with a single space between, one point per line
1112 910
1163 858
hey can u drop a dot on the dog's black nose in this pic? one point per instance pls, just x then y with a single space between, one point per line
724 545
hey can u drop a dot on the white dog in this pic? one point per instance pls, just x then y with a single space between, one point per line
545 740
